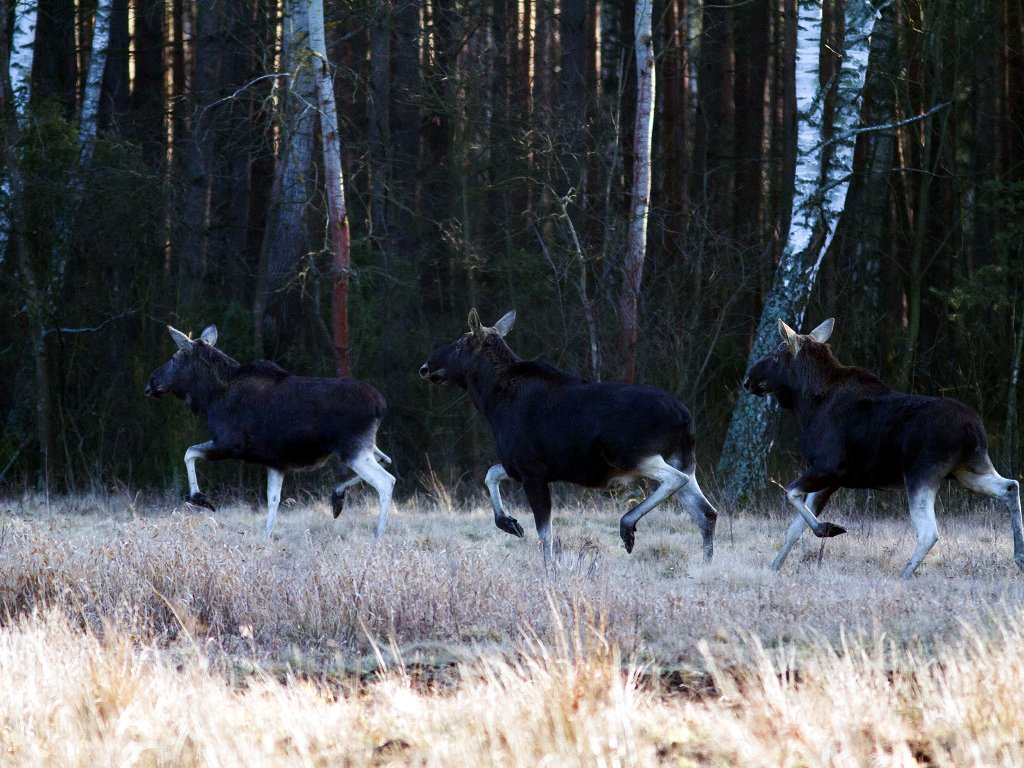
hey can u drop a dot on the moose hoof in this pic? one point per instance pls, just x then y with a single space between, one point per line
509 525
828 530
200 500
337 503
627 532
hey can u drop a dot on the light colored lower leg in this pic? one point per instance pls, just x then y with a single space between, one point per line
994 485
193 453
799 501
922 513
382 481
703 513
494 476
275 479
670 479
380 456
547 542
796 530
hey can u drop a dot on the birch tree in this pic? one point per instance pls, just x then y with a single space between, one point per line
23 37
89 119
337 218
822 176
636 237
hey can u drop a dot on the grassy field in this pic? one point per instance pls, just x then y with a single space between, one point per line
153 634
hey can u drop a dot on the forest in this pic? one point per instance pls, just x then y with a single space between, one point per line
650 186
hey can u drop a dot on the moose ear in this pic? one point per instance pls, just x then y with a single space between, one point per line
475 326
209 335
504 325
183 341
822 333
792 337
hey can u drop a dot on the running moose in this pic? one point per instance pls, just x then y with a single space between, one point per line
856 432
259 412
552 426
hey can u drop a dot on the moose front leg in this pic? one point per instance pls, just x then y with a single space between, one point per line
507 523
797 492
201 451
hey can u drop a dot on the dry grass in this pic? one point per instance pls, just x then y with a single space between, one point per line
146 635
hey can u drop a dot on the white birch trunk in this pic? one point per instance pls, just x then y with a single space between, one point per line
22 53
636 236
23 40
89 118
337 219
822 178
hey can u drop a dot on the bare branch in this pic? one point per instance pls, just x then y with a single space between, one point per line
878 128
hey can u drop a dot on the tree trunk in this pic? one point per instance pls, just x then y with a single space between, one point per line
861 235
379 128
636 239
19 79
337 219
285 240
822 172
94 81
403 208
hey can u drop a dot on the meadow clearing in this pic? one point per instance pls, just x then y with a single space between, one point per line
150 633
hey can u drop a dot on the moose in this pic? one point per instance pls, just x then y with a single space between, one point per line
552 426
261 413
857 432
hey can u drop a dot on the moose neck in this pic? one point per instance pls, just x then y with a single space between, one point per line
211 382
491 384
813 379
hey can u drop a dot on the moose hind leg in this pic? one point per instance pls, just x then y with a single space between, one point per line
991 483
692 499
383 482
669 480
922 514
538 494
275 479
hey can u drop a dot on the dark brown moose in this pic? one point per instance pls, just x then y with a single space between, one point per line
259 412
857 432
551 426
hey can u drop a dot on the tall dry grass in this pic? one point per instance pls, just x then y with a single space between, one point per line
144 635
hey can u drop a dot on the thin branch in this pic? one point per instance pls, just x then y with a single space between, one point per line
93 329
878 128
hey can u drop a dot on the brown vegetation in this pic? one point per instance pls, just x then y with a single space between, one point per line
137 637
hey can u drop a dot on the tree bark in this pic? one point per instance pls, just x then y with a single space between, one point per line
337 218
379 126
636 239
285 238
822 173
89 119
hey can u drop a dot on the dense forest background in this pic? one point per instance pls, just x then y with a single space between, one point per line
488 158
